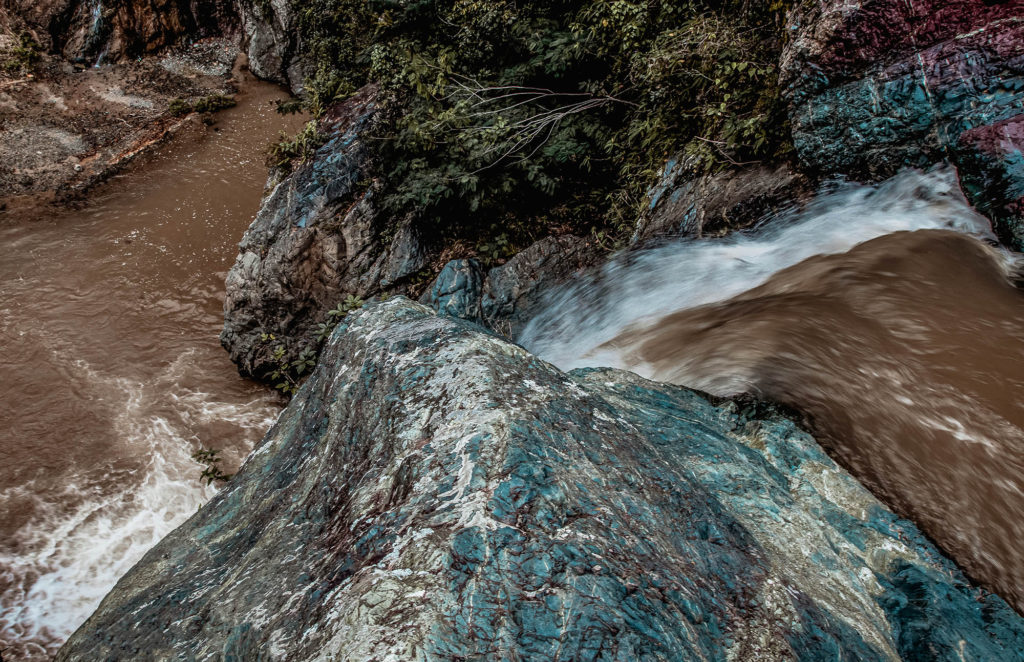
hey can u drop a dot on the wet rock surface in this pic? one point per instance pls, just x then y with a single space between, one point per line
685 204
504 297
879 86
992 175
316 239
435 492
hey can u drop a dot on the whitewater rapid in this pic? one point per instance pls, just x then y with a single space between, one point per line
643 285
112 375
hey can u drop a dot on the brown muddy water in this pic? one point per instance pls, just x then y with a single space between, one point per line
905 351
111 374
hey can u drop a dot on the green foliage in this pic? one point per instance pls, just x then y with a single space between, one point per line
337 34
21 57
208 104
559 112
324 329
284 153
211 460
289 106
495 249
287 375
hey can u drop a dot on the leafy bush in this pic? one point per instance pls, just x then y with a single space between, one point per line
536 114
21 57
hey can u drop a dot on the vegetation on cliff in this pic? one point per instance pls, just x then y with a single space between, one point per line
519 118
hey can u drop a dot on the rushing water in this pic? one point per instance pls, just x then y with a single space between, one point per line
883 314
111 374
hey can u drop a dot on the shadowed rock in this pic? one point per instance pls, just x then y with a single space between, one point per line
504 297
686 202
435 492
316 239
457 290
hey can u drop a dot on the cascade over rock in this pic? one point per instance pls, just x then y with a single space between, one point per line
436 492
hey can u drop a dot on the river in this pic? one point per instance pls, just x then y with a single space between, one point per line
111 374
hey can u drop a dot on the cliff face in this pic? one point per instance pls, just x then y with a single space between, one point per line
886 84
435 492
314 240
91 31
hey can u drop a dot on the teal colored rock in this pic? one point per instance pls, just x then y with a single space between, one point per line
504 297
437 493
457 290
875 87
992 174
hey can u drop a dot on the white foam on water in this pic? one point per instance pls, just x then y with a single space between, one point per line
69 558
644 285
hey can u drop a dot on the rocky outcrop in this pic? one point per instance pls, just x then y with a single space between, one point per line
271 40
320 237
687 203
504 297
886 84
317 238
992 175
435 492
457 290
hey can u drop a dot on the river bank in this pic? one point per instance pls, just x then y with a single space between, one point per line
68 127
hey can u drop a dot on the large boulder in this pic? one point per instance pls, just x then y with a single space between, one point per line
437 493
881 85
272 42
690 202
317 239
504 297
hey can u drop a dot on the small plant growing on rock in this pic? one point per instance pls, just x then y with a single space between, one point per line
351 302
287 376
210 459
286 151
